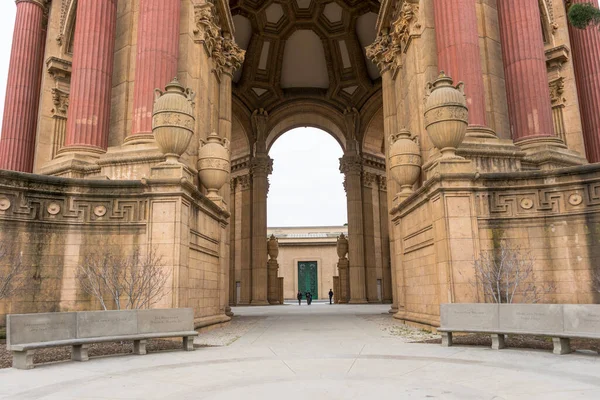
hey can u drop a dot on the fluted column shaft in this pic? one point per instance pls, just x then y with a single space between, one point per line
17 142
529 107
91 81
586 57
262 166
156 59
351 166
458 51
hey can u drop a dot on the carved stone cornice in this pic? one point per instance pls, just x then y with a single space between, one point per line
369 179
382 182
244 181
59 68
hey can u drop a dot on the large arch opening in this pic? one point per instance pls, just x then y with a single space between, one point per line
306 210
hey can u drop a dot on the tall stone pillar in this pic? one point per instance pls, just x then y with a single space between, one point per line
88 118
457 40
586 57
245 244
368 182
529 104
156 60
261 168
343 292
19 126
351 166
528 93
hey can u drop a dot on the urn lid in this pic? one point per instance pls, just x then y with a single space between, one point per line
175 86
442 92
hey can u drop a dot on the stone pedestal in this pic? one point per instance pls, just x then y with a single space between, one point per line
343 292
19 126
336 289
273 282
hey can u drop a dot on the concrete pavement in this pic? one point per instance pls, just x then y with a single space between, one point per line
316 352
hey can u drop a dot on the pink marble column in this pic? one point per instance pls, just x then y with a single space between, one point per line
586 57
88 118
156 61
458 51
529 107
17 142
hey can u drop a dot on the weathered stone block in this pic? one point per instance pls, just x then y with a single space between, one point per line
582 318
531 318
106 323
173 320
469 316
34 328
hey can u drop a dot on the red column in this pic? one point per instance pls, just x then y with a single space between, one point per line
586 57
88 118
529 107
457 40
17 142
156 61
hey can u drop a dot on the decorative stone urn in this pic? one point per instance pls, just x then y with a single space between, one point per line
342 246
405 160
213 164
446 115
273 247
173 120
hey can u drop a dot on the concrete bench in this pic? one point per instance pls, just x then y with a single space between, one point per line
561 322
28 332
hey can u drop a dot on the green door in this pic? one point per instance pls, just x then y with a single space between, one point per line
307 279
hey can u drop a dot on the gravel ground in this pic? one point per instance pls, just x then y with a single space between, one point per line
238 327
394 327
518 341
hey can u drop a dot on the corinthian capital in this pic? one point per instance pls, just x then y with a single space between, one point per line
262 165
351 165
228 56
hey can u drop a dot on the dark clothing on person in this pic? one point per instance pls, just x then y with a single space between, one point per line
308 298
330 295
299 297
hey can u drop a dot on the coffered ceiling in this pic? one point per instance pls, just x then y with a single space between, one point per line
305 49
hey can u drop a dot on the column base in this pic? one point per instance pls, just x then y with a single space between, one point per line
141 138
548 152
483 132
449 166
75 162
130 162
228 311
358 301
259 303
490 154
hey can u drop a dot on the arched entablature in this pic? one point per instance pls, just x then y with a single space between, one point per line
373 138
68 15
547 20
306 114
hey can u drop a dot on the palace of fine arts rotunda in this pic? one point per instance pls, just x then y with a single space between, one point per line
468 127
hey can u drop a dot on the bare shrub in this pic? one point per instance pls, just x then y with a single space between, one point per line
507 275
596 279
128 281
12 272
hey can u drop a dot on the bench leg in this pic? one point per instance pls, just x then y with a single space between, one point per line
561 345
446 339
498 342
80 352
22 359
139 347
188 343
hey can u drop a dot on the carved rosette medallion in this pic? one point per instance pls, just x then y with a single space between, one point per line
4 203
575 199
53 208
100 211
527 204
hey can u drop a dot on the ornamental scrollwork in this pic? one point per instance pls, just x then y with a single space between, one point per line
406 20
207 30
557 88
228 56
60 100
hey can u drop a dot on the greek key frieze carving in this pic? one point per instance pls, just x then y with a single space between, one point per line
19 206
538 202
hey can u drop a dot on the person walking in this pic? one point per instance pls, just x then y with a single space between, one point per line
299 297
308 298
330 296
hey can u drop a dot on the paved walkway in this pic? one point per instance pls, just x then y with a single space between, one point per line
316 352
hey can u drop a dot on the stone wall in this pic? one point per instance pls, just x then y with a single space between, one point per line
54 222
442 229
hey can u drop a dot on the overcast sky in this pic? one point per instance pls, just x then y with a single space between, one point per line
306 185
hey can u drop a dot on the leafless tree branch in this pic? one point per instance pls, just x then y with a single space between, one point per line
12 272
